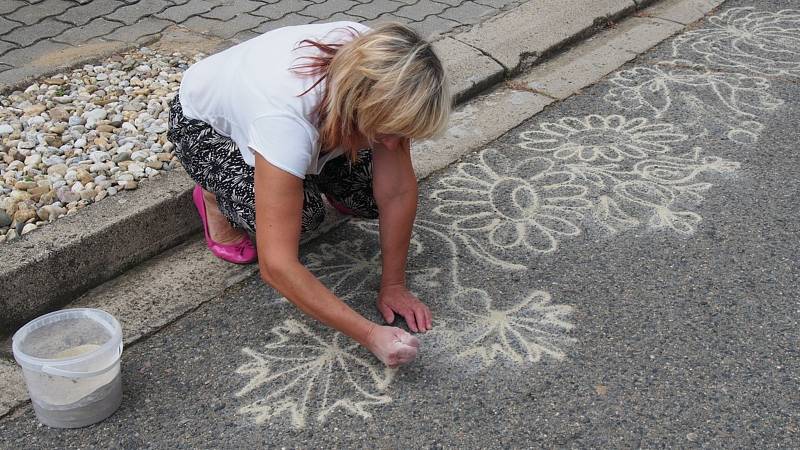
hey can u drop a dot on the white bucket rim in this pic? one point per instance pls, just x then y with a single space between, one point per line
33 363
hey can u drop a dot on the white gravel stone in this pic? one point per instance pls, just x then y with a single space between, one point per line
98 156
95 114
33 160
28 228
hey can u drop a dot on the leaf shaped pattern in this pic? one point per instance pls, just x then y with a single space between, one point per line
309 374
521 333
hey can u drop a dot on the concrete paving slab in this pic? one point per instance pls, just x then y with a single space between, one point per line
12 387
474 125
166 287
518 39
682 11
566 74
470 71
45 58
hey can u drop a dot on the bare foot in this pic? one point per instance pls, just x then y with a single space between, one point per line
219 228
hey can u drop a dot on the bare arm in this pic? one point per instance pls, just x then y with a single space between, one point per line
279 205
394 186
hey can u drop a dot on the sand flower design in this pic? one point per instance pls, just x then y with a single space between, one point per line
350 263
522 332
501 203
353 264
307 374
610 138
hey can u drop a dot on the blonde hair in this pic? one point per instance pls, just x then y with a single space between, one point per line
385 81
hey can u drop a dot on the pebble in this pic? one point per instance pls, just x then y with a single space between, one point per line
24 215
121 156
60 169
25 185
28 228
20 196
36 122
133 106
139 155
5 219
58 114
55 81
65 195
6 129
33 160
105 128
99 156
95 115
34 110
38 191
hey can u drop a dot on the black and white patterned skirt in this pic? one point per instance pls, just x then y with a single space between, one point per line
215 163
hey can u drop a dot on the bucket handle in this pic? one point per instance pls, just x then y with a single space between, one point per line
70 374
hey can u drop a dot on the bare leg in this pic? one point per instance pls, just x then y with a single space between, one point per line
219 228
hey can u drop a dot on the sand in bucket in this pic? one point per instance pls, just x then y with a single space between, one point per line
71 362
76 351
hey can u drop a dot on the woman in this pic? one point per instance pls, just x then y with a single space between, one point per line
269 125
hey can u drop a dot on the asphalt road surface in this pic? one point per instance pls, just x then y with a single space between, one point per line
621 270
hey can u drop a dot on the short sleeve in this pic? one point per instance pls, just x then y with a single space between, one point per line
284 142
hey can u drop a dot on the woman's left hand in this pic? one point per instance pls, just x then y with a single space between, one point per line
399 300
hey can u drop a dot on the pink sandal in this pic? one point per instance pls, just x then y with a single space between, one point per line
243 252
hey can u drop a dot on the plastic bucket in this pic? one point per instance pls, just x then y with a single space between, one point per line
71 363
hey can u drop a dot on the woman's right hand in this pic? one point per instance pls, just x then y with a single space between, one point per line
392 345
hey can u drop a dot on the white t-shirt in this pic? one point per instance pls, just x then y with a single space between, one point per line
250 94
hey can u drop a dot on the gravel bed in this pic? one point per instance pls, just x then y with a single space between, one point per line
77 138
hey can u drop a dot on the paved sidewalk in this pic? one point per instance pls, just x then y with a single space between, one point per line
31 30
618 271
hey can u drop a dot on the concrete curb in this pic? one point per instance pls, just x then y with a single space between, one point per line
523 37
46 269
